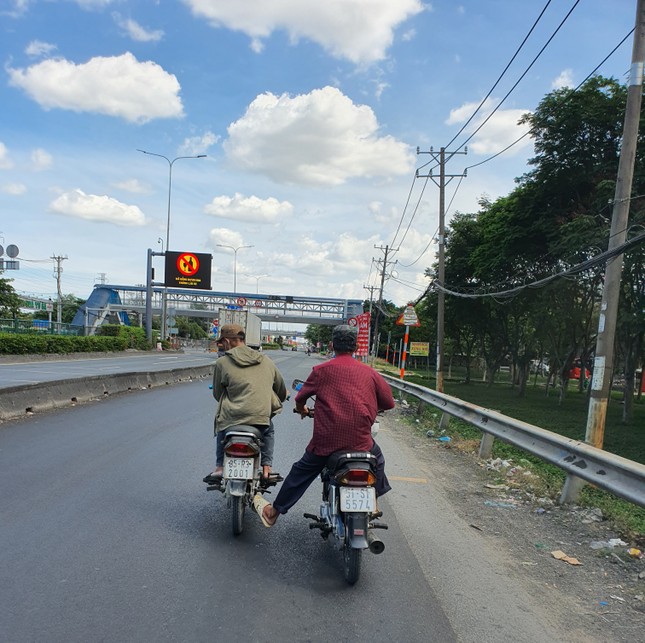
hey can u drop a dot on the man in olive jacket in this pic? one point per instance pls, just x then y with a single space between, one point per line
250 390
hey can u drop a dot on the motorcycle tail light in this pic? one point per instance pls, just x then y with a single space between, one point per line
240 450
358 478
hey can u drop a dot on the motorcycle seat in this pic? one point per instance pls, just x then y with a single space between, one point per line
243 429
339 459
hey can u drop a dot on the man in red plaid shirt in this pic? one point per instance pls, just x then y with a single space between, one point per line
349 394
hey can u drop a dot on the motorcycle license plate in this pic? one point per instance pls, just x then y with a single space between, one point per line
359 499
239 468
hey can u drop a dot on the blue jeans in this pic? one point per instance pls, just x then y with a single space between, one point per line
266 455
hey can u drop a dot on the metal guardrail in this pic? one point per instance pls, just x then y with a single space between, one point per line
620 476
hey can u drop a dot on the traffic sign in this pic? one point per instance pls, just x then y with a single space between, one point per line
408 317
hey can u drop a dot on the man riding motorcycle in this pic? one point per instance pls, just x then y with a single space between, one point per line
349 395
250 391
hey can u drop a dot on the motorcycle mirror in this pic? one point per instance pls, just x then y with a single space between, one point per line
296 385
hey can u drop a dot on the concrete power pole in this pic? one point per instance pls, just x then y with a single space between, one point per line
58 269
441 298
369 338
385 250
604 356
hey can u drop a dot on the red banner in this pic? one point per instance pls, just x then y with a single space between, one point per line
362 322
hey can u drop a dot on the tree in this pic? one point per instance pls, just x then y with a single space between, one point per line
9 301
318 334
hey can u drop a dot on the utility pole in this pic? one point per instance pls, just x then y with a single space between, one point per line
379 307
441 297
58 269
369 336
604 356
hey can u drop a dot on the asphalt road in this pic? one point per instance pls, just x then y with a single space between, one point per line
108 534
17 372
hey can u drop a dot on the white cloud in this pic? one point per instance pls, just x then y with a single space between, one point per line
41 159
77 204
116 85
358 30
135 31
346 254
462 114
250 209
5 162
226 237
500 130
19 8
565 79
198 144
321 138
385 217
93 4
15 189
37 48
133 185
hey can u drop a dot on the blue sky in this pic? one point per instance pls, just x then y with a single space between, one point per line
309 113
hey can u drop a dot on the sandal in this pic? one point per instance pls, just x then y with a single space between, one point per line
259 503
213 479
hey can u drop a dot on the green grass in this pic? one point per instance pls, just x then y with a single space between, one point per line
568 419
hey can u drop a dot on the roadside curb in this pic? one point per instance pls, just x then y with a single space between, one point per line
18 401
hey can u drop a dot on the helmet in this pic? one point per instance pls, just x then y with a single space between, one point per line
344 338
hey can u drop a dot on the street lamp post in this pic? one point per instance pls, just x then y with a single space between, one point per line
257 281
164 304
234 249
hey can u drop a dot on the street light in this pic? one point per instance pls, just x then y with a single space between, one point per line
257 281
234 249
170 164
160 240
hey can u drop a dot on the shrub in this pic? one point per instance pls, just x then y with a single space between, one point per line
14 344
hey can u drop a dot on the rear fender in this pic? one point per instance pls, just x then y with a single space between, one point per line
236 487
356 530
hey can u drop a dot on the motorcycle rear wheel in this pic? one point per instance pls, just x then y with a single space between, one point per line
238 515
351 564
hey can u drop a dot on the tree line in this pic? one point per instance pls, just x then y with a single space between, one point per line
522 276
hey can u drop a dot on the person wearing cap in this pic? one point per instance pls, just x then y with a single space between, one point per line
349 394
250 390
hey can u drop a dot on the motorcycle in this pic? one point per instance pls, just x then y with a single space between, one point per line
242 478
348 511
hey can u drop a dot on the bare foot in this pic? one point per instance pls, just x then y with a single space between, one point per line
270 515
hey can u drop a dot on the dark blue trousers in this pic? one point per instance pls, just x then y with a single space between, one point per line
309 467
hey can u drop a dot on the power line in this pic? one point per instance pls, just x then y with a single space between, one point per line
573 270
526 71
604 60
476 111
510 62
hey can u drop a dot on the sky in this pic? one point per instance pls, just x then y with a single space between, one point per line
309 113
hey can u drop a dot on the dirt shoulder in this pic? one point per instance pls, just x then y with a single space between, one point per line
603 598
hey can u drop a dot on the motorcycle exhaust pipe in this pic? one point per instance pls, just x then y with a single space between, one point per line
375 544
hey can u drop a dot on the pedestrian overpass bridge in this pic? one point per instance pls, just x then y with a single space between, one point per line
117 303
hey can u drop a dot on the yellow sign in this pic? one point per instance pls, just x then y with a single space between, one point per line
419 349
